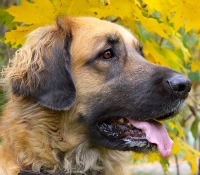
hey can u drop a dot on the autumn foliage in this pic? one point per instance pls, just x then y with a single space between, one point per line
168 30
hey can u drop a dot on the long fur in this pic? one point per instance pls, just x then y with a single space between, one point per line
23 60
35 136
38 135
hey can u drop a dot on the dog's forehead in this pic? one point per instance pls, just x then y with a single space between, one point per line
128 37
91 34
97 28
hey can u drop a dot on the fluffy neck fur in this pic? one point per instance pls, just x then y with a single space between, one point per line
53 141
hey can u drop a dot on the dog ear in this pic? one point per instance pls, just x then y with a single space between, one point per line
41 71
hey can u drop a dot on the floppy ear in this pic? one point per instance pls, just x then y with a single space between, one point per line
40 70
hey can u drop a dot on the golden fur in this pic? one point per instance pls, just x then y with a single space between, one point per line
35 136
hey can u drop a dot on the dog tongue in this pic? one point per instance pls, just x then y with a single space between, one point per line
156 133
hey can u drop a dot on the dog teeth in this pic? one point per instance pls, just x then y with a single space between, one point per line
129 124
121 120
142 144
132 144
154 148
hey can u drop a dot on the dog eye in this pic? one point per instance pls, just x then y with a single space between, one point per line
107 54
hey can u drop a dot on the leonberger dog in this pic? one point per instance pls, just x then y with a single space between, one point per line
81 97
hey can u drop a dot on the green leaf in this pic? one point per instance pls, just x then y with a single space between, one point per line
165 164
7 19
5 16
194 128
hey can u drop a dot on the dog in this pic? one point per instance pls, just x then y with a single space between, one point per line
81 96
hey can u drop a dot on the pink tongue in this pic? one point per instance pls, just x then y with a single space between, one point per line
156 133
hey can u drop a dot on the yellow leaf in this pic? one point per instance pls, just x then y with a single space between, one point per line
137 156
191 154
186 14
178 44
39 12
162 56
152 25
174 124
180 12
17 37
177 148
153 156
163 6
120 8
44 12
195 65
35 14
76 7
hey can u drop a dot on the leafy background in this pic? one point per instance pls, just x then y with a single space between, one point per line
168 29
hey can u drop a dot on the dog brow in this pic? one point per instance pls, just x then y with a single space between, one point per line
113 39
109 39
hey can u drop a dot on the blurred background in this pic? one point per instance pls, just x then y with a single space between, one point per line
169 32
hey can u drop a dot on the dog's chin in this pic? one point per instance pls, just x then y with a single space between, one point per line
129 134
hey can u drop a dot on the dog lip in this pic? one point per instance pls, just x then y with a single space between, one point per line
168 115
160 117
120 128
125 135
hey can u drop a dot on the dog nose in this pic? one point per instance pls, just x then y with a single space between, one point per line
180 83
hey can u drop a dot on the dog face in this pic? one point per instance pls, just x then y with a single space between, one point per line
97 69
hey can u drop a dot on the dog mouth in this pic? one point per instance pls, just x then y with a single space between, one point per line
139 136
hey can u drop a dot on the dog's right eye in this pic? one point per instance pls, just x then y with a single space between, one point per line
108 54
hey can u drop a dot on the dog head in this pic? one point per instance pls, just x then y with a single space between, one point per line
97 68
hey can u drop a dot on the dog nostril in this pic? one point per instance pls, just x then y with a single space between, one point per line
181 87
179 83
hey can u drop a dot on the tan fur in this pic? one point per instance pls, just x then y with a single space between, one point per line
27 134
34 135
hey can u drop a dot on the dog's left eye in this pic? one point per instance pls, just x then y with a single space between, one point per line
107 54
